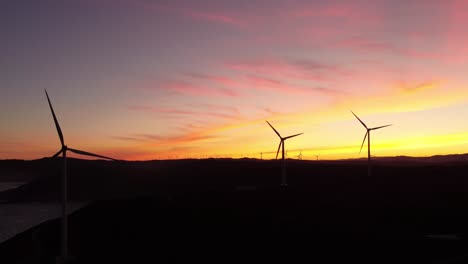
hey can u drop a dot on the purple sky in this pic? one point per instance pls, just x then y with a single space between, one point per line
156 79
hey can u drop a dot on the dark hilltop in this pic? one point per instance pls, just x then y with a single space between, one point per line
412 210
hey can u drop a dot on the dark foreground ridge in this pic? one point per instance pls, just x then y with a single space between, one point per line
231 211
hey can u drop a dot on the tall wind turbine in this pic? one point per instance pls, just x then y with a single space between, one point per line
367 135
281 144
63 151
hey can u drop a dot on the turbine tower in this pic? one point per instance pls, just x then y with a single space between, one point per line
281 144
63 150
367 135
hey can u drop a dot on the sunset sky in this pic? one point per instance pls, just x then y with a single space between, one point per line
142 79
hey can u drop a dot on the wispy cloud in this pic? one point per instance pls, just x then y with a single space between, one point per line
140 137
262 83
331 11
371 45
216 107
269 111
126 138
217 17
199 13
182 87
418 87
168 140
221 112
302 69
213 78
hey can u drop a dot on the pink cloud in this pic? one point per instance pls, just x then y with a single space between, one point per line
213 107
283 87
160 140
368 45
197 13
453 38
217 18
269 111
355 15
327 11
215 112
191 89
300 69
264 81
214 78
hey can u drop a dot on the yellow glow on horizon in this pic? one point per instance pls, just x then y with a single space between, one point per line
417 146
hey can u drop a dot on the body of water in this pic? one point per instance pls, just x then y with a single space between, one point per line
9 185
16 218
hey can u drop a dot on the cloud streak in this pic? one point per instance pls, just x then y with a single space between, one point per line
157 140
217 18
186 88
418 87
213 78
216 112
268 84
303 69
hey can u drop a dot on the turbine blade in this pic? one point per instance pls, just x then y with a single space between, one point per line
57 126
90 154
293 136
365 136
57 154
375 128
274 129
359 119
279 146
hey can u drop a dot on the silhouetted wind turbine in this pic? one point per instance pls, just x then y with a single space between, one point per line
63 151
282 139
367 135
300 155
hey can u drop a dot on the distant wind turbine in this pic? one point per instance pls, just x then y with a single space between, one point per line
367 135
63 151
282 139
300 155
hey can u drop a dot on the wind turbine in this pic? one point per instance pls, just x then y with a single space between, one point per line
367 135
282 139
300 155
63 151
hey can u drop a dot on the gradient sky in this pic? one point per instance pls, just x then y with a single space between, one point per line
142 79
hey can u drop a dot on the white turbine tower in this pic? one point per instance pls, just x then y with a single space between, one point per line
367 135
63 151
282 139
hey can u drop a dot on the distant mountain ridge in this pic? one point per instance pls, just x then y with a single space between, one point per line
434 158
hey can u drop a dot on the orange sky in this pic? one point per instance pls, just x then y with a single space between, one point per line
156 80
